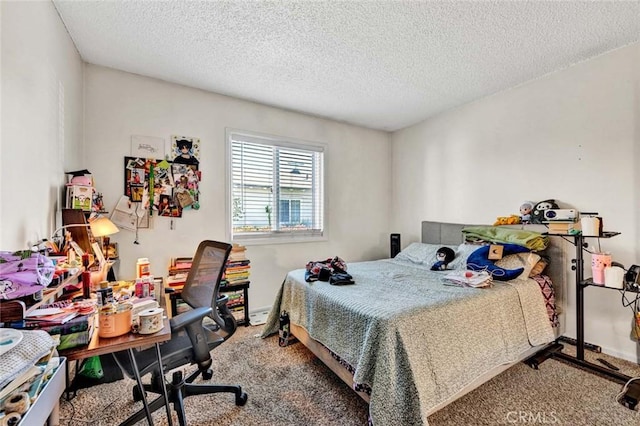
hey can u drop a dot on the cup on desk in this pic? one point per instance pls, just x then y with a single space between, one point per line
599 261
614 277
149 321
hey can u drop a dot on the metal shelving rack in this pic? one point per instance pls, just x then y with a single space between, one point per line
632 395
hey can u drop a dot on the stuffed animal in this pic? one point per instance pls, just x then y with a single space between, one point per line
479 261
445 255
525 211
507 220
537 216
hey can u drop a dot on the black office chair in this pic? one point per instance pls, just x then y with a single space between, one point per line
187 345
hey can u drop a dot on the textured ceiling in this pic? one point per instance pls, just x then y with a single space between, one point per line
379 64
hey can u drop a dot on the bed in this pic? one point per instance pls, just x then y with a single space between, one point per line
408 344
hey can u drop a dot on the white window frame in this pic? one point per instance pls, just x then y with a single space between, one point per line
274 237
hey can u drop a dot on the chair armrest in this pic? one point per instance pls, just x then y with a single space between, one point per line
187 318
191 322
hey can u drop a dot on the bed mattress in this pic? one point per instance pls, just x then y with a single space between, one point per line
413 340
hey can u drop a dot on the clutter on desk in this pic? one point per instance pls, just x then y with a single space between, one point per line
115 319
69 323
31 347
23 273
26 365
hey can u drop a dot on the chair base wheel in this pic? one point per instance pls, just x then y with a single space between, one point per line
137 395
207 375
241 399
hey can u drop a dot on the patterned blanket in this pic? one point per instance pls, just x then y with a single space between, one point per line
415 341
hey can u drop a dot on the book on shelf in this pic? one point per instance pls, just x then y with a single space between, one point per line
178 271
238 268
177 280
562 227
238 253
238 313
236 298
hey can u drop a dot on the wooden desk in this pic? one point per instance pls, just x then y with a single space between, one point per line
101 345
129 341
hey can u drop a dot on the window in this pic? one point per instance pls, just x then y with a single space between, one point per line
276 188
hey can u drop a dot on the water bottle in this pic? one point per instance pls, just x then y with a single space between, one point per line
143 268
284 329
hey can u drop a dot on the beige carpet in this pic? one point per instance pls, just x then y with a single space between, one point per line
289 386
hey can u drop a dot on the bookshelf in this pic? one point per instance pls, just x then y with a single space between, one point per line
235 283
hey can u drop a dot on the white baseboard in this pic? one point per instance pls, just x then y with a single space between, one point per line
622 355
259 316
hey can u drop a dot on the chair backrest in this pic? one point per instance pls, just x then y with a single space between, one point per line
207 268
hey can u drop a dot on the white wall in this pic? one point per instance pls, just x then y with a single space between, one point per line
358 188
573 136
41 130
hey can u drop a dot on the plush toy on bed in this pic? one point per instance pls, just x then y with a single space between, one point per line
537 215
445 255
480 260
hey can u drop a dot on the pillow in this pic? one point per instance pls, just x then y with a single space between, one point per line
519 260
479 261
421 253
462 253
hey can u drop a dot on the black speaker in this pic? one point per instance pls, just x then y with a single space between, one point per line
394 242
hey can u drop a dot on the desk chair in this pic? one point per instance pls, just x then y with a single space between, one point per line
191 340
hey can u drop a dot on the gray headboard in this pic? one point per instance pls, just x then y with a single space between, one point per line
442 233
451 233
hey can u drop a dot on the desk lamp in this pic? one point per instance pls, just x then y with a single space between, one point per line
101 227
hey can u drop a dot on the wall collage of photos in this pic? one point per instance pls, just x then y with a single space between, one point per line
164 187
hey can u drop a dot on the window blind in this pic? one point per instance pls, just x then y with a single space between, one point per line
276 187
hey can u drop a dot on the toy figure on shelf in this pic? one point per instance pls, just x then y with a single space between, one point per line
525 211
98 203
537 215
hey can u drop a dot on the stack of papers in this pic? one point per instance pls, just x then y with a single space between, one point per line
476 279
51 315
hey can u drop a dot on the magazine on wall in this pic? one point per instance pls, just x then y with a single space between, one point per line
127 215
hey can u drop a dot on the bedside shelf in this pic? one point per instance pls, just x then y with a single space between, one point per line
589 283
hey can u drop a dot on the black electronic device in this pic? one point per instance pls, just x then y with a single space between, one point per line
631 395
394 245
632 277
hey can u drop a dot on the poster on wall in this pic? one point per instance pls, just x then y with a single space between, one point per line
147 147
175 187
186 180
184 150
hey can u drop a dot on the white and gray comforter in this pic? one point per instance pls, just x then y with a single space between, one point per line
412 339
